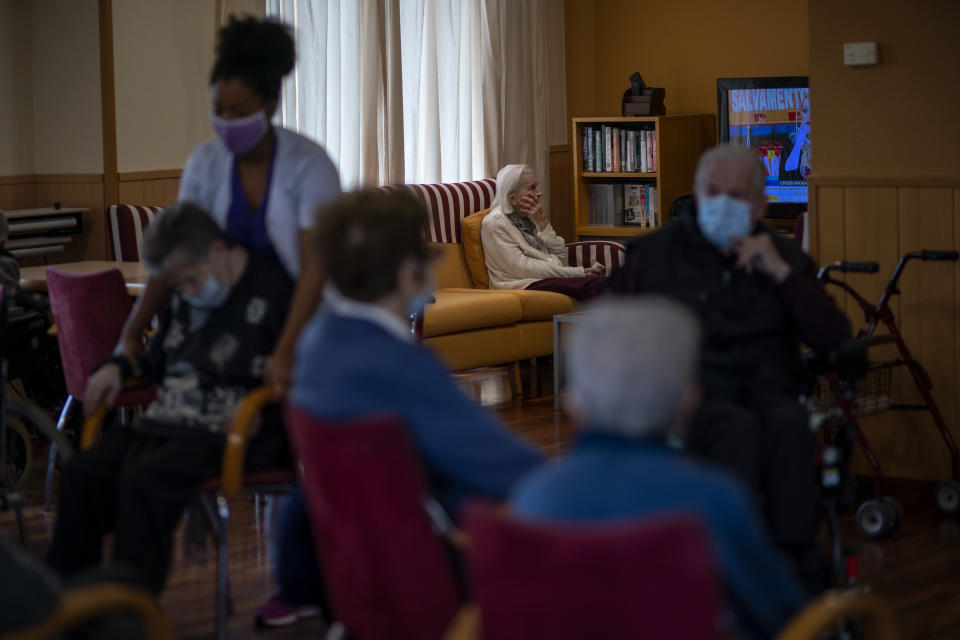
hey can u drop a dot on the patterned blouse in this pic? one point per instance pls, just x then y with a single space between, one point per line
529 230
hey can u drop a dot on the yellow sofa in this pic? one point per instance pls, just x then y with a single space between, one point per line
472 327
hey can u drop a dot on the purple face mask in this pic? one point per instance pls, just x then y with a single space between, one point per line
243 134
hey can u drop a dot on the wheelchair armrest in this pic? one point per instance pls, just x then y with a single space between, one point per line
836 606
466 624
238 438
93 426
84 604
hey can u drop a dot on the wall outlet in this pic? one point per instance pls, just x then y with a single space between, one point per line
856 54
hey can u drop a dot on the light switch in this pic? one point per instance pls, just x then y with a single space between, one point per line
857 54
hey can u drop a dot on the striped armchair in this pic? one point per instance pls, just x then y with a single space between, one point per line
126 224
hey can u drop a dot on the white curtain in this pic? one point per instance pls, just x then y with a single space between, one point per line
425 90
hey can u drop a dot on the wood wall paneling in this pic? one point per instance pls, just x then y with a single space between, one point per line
561 191
881 219
150 188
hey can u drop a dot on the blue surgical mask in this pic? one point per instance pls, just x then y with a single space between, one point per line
213 294
417 303
722 218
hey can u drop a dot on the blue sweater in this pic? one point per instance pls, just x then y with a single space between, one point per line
348 367
606 477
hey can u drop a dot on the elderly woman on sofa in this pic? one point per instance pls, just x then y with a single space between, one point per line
522 250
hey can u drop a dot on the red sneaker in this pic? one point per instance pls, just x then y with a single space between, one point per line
277 613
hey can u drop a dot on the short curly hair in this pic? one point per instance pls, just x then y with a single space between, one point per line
363 237
258 52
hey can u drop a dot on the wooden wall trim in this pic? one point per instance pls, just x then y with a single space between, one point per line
883 181
108 103
24 179
52 178
161 174
59 178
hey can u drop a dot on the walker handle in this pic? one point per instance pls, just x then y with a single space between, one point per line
851 267
953 256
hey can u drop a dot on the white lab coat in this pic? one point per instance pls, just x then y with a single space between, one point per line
514 264
303 178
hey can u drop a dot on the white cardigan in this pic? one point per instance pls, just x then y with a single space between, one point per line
303 178
514 264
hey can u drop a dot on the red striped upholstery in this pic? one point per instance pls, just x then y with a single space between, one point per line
127 223
584 254
450 202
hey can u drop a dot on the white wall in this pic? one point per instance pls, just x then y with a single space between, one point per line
67 123
16 89
163 52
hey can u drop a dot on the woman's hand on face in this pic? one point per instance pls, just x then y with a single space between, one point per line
531 207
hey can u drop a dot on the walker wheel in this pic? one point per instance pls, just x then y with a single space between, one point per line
19 453
948 497
875 519
897 511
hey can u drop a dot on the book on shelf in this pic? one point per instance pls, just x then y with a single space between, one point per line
653 153
606 204
642 153
615 142
640 205
609 149
598 149
649 135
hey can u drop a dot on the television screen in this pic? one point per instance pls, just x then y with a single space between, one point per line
771 116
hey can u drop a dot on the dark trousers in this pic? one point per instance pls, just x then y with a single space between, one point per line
766 441
137 486
298 576
579 288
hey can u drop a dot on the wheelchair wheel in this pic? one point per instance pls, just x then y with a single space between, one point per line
897 511
18 453
948 497
875 519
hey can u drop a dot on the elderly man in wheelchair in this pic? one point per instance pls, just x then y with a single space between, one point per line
758 298
215 336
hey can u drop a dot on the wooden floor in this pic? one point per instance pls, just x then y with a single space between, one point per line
917 570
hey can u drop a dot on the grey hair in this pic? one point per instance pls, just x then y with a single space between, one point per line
630 362
4 225
508 182
184 227
734 153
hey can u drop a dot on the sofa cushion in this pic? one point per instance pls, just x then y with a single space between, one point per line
455 310
473 248
534 305
450 269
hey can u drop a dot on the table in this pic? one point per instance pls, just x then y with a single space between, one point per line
134 274
558 322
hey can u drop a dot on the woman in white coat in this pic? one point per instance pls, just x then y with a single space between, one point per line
262 183
522 250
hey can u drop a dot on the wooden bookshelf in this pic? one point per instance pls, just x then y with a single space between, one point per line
681 139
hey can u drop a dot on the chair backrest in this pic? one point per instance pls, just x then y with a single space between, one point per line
449 203
89 311
584 254
387 572
643 579
127 222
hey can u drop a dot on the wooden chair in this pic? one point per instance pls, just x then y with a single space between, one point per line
84 604
233 481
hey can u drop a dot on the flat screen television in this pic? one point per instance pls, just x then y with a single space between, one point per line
772 117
